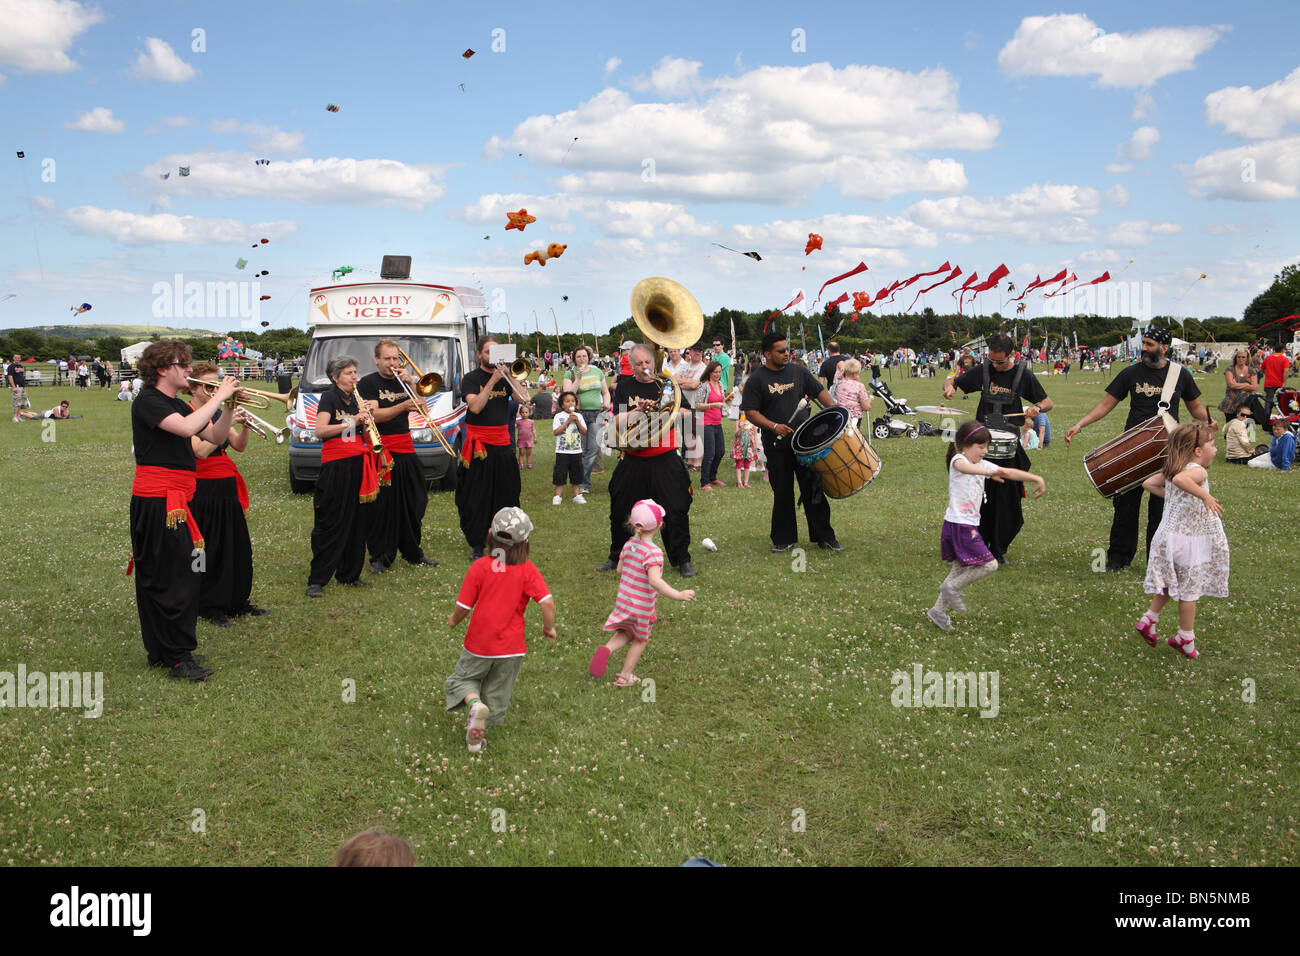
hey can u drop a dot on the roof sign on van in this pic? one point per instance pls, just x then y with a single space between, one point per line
385 303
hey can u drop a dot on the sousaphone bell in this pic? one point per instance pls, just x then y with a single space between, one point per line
670 317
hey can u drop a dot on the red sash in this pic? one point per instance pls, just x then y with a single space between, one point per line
223 466
399 444
153 481
478 437
336 449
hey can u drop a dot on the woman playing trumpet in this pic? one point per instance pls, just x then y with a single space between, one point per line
219 505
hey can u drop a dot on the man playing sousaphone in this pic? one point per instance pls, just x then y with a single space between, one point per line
1002 382
1143 383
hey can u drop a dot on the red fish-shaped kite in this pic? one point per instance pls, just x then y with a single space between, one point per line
861 300
814 242
520 219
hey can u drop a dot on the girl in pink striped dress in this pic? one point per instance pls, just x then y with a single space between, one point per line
640 568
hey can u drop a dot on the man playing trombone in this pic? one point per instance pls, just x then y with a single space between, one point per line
399 509
219 505
487 478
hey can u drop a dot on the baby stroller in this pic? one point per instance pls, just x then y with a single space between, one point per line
886 426
1288 406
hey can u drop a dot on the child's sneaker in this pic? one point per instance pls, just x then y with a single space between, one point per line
557 500
941 620
1147 628
953 597
477 729
579 500
1185 644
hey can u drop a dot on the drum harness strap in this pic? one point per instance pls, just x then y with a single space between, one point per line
1171 382
996 418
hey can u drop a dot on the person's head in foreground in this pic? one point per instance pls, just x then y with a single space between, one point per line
375 847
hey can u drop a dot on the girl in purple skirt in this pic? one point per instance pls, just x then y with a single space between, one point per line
961 544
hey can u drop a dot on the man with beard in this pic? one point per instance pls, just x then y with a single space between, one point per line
399 510
487 477
1143 383
646 470
1002 382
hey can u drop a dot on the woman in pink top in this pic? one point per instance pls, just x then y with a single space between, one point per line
851 393
711 408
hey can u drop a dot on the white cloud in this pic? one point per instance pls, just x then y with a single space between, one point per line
1225 229
176 121
1256 114
1039 213
98 120
775 134
1117 168
1117 196
612 64
1070 44
1144 105
1139 232
37 32
355 182
970 40
160 62
263 139
1256 173
135 229
1139 145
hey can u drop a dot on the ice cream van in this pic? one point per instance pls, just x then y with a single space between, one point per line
436 325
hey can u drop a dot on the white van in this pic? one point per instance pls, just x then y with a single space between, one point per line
436 325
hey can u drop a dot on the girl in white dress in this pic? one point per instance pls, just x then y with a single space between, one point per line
1188 558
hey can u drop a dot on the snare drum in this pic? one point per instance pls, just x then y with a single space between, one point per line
831 446
1129 459
1003 444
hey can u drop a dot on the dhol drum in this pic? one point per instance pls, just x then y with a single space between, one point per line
1129 459
831 446
1003 445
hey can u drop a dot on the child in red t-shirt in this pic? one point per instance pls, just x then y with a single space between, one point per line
497 588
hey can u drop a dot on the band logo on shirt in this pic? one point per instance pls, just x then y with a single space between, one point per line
499 393
386 396
780 388
1147 391
995 389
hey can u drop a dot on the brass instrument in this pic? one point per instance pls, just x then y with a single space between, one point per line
425 386
264 429
520 369
669 316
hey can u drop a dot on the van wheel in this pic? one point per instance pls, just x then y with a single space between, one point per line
297 485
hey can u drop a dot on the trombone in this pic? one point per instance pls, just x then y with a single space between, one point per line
425 386
250 398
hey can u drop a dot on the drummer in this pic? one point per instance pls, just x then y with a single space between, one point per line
1143 383
1002 382
770 398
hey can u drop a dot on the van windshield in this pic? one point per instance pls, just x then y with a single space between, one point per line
430 353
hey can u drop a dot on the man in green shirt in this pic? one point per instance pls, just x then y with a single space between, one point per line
723 359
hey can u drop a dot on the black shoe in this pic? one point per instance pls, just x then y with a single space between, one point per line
687 570
315 590
608 566
1112 566
378 567
781 548
831 545
198 659
1001 559
254 610
190 670
358 583
475 554
220 620
426 561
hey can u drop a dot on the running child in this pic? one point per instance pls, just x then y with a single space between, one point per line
961 545
640 567
570 426
1189 553
497 588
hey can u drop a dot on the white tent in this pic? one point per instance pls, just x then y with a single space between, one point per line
132 353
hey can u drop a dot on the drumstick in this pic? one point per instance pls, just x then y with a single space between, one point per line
803 403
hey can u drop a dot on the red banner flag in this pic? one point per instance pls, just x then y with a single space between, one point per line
1104 277
954 274
1041 282
860 267
795 301
1068 279
830 306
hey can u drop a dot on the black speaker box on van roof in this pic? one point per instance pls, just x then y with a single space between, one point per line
395 267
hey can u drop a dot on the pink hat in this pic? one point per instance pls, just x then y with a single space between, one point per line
647 513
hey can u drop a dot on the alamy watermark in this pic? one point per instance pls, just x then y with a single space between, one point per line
179 299
78 690
922 688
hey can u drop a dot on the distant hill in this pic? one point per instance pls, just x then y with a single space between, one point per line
132 332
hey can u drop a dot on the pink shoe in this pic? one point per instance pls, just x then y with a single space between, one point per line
1147 629
1188 648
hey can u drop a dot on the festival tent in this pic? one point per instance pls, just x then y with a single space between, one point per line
132 353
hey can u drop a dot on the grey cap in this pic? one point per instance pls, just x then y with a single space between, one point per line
626 345
511 525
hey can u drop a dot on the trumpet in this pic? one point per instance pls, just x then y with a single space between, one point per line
264 429
425 386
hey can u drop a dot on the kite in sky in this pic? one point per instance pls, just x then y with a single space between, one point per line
263 242
553 251
166 175
84 307
265 323
753 255
518 220
21 154
262 162
814 242
184 170
239 264
861 300
467 54
332 108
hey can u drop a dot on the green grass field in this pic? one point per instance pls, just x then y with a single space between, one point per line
770 736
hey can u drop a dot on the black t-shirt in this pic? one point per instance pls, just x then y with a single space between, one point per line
1143 386
776 394
827 371
16 370
153 446
497 410
1000 384
544 404
337 405
629 390
387 392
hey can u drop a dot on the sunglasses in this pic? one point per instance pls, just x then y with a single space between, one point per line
780 351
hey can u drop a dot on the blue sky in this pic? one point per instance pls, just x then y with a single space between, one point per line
906 136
